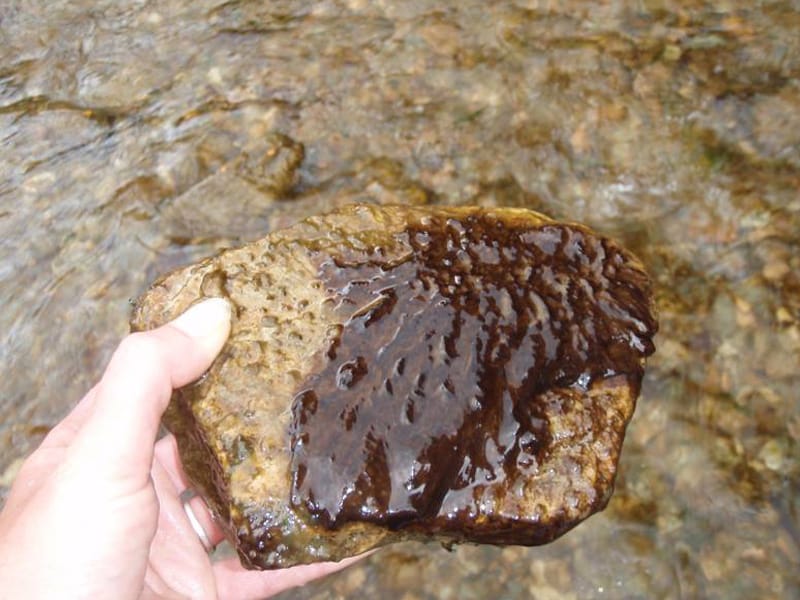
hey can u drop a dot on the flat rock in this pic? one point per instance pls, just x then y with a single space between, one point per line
395 373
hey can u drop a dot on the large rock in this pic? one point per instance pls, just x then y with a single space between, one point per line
393 373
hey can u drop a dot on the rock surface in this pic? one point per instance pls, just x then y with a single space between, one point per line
459 374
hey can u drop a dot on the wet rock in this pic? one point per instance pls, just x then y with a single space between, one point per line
238 200
273 170
397 373
221 205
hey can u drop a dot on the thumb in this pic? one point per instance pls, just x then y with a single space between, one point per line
118 436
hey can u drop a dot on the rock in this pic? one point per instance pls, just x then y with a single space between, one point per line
395 373
240 198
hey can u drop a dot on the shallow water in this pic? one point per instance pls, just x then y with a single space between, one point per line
138 136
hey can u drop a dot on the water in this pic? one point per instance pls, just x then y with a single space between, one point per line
139 136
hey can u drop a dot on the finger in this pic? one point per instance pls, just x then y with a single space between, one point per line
166 455
236 582
178 562
117 438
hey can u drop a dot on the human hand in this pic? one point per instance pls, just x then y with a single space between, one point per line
95 511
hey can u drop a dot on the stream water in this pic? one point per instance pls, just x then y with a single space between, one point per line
137 136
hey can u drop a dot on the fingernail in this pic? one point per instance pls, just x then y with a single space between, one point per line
210 318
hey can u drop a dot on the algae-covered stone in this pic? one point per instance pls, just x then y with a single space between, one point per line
393 373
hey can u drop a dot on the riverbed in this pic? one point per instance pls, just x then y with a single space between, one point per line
139 136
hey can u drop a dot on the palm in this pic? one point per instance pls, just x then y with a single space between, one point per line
178 565
96 512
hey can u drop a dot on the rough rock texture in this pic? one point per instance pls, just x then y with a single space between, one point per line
393 373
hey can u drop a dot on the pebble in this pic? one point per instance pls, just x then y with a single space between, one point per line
772 454
775 271
10 474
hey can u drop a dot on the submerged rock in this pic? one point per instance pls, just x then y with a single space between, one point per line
394 373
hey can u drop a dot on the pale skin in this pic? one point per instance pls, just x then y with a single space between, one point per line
95 510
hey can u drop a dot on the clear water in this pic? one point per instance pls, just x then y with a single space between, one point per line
138 136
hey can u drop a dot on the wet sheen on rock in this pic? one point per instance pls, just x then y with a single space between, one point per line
430 398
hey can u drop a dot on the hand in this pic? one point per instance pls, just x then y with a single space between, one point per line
95 510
